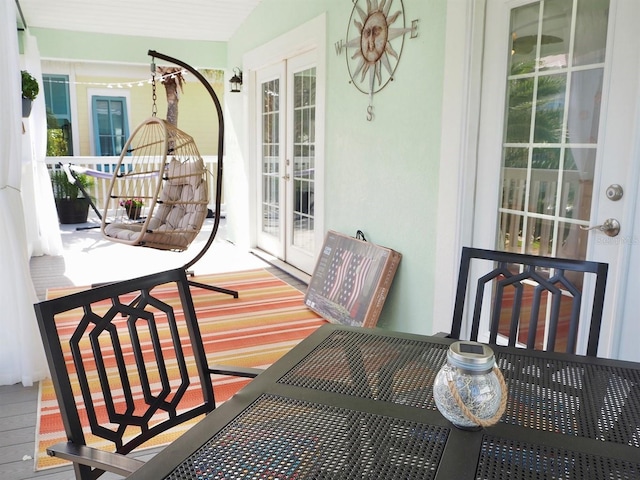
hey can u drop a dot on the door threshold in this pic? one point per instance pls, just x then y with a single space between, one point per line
285 267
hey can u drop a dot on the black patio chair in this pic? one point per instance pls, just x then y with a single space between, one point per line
133 353
524 292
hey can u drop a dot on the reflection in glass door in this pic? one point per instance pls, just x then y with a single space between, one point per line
270 160
287 143
304 119
554 89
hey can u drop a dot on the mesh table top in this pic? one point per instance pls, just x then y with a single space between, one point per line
353 403
278 437
597 401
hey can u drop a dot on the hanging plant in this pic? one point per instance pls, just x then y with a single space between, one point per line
30 87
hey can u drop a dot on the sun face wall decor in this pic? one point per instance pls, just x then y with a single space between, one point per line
375 38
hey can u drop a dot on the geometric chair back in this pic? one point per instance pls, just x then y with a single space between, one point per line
535 302
127 363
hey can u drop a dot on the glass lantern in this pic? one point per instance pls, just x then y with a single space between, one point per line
469 390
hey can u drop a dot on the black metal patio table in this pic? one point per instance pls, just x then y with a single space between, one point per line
353 403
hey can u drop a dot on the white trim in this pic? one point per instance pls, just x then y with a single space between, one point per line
458 152
73 105
310 36
307 36
619 134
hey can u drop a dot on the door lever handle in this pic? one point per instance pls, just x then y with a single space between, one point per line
610 227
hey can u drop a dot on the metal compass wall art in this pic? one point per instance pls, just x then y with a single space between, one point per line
375 37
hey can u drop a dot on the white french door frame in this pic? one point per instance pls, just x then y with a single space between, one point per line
302 239
307 38
272 243
460 124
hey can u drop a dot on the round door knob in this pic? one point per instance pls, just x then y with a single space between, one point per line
614 192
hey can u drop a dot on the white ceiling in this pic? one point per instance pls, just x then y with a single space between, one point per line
213 20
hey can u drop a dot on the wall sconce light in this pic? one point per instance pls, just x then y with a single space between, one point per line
236 80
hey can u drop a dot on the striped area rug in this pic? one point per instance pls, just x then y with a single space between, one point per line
266 321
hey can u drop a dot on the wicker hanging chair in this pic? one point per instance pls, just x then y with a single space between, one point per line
158 194
161 171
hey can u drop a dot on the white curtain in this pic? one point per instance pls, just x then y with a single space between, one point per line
21 353
41 221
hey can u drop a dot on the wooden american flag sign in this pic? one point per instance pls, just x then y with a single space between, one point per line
351 280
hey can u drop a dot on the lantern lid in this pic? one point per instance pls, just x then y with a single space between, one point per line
472 357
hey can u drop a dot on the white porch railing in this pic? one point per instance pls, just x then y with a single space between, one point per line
108 164
539 223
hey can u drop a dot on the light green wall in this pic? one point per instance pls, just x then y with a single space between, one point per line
99 47
381 176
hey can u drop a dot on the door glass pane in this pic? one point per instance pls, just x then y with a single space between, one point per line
271 157
520 101
543 186
549 108
552 118
117 125
591 32
584 106
56 96
577 184
111 126
524 38
556 27
304 132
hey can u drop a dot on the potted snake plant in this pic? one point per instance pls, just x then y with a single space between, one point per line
71 204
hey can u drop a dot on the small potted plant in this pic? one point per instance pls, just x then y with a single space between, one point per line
30 90
133 206
71 204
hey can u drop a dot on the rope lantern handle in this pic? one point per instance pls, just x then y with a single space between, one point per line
465 410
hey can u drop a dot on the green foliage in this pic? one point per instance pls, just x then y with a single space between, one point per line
30 87
56 144
548 103
62 188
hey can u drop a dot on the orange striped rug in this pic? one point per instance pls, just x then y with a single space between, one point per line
266 321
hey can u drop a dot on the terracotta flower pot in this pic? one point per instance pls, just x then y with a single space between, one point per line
133 212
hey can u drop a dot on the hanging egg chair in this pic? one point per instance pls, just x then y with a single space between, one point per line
158 195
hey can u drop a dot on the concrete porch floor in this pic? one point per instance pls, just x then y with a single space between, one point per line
90 259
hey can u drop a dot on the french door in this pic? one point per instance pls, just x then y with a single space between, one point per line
111 128
289 146
556 134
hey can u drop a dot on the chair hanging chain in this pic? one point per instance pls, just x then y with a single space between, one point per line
154 107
